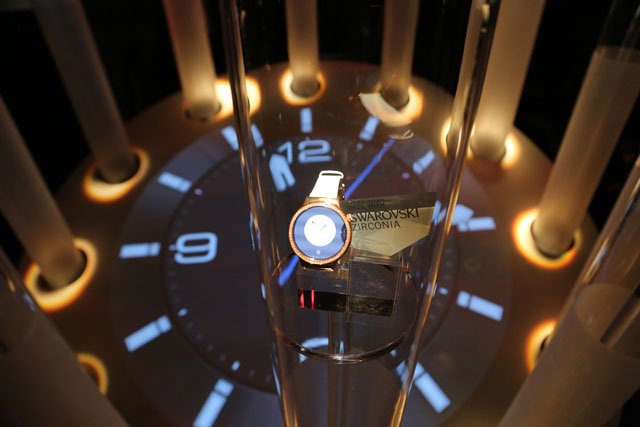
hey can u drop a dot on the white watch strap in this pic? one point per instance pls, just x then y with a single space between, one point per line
327 185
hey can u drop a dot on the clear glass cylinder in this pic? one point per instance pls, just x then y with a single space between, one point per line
33 356
598 332
351 200
27 204
607 96
66 30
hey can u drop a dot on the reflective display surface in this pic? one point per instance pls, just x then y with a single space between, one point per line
175 310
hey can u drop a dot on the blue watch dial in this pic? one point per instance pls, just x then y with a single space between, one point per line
320 232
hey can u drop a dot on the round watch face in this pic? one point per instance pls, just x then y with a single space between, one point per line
319 233
320 230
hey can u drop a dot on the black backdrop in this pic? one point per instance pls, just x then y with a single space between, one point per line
133 42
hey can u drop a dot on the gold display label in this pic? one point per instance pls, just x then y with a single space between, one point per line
387 225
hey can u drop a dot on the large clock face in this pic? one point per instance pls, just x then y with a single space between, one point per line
175 309
186 298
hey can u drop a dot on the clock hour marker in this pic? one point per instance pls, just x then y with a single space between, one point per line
463 219
480 305
147 333
214 404
478 224
423 162
183 312
174 181
235 366
230 135
257 136
369 129
139 250
316 342
306 120
313 343
281 172
430 390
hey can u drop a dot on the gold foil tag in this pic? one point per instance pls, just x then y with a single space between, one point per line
387 225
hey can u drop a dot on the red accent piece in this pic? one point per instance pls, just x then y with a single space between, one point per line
313 299
302 299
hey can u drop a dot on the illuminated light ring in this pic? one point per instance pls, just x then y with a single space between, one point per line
526 246
392 117
101 191
51 300
444 132
97 370
511 151
413 108
285 81
223 91
511 146
410 111
536 337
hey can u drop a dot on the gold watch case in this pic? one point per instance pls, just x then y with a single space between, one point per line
332 204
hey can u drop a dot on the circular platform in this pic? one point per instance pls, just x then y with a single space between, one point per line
183 341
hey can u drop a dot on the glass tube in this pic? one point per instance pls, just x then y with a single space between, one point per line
40 375
599 332
616 255
346 335
31 211
515 37
400 22
609 91
190 41
466 71
615 260
302 44
69 38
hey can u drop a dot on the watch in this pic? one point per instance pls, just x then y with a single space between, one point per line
320 232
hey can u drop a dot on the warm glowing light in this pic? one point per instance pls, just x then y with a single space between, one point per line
413 108
51 300
223 90
286 79
376 105
444 132
12 287
511 152
96 370
101 191
523 239
511 146
536 337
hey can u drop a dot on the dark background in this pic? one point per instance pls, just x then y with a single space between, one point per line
133 42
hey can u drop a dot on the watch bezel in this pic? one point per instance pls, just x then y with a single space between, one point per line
329 204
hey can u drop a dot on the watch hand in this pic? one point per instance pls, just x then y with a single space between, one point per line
366 171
